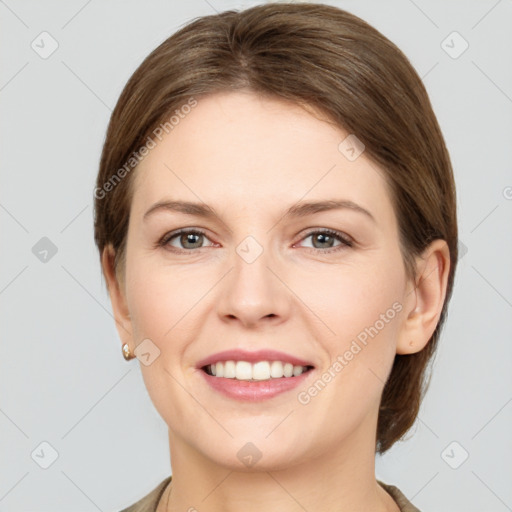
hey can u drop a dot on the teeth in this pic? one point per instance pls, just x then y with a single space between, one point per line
262 370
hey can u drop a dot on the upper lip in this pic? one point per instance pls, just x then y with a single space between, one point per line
252 357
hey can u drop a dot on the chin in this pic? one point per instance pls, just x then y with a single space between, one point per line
243 455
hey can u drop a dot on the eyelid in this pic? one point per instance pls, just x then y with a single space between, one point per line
345 240
167 237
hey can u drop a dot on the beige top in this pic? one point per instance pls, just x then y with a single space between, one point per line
149 502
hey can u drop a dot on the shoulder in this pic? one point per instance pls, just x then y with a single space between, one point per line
403 503
149 502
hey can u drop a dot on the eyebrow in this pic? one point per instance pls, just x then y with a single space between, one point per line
301 209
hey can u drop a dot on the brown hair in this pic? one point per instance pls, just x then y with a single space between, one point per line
327 58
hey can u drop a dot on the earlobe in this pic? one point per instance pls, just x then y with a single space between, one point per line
117 297
425 302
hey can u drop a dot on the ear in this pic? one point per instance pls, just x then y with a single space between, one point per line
117 294
424 302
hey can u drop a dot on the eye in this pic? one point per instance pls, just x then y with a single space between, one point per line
326 238
189 239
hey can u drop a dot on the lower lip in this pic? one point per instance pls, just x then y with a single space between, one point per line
249 391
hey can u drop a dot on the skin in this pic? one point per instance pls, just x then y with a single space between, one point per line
250 159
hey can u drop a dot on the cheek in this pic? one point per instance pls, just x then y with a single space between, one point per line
161 303
350 298
149 289
157 303
146 304
164 301
361 308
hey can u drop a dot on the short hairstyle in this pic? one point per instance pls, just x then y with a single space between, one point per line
315 55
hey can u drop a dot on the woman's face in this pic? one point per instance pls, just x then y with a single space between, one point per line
260 276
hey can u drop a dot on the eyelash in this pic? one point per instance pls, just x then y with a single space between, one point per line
345 241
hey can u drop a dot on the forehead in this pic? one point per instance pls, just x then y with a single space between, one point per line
247 151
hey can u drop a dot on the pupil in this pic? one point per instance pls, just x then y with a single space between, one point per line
323 237
189 238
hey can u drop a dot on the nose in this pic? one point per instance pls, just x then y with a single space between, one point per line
253 292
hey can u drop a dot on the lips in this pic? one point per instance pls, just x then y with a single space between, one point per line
252 357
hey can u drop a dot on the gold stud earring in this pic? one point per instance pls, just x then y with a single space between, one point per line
126 352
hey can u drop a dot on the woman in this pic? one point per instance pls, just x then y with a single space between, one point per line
276 220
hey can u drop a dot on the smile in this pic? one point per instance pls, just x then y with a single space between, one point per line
254 372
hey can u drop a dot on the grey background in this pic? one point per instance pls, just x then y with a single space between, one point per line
63 379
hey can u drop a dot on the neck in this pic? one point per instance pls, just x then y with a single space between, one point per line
342 480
